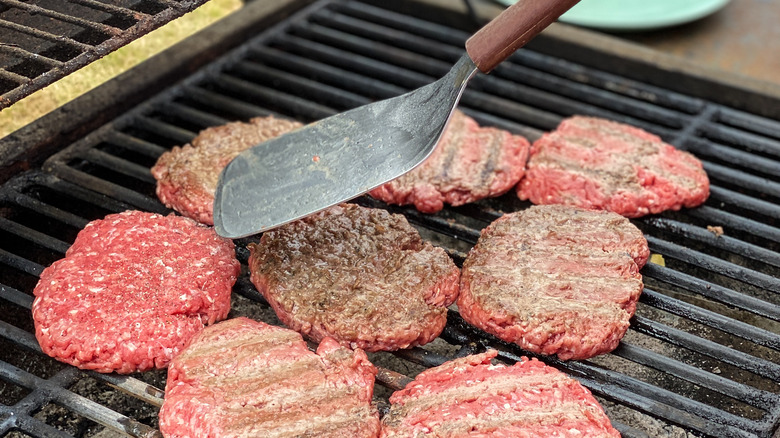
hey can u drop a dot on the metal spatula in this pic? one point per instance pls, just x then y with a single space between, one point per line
343 156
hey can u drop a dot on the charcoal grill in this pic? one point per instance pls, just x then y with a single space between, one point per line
702 357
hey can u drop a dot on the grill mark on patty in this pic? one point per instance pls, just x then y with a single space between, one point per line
456 134
291 426
491 159
572 230
580 231
269 374
506 418
618 176
278 340
539 260
558 286
303 398
563 147
496 384
520 310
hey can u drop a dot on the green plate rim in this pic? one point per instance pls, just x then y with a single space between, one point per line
677 12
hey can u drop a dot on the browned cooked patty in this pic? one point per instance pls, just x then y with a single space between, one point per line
241 378
601 164
132 290
470 397
187 176
469 163
361 275
555 280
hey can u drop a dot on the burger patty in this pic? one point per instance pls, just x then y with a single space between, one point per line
132 290
242 378
470 397
601 164
359 275
470 163
187 176
555 280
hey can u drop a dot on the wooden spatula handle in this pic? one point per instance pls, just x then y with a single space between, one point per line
512 29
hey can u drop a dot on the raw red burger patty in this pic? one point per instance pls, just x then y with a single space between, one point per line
469 397
187 176
242 378
362 276
132 290
601 164
555 280
470 163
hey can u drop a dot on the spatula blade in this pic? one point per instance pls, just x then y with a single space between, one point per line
335 159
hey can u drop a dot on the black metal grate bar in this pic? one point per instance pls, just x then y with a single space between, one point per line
52 212
328 74
114 9
714 264
44 35
748 124
738 137
713 291
191 115
135 144
110 189
348 61
256 92
761 399
12 77
745 202
16 51
125 167
15 296
33 236
737 328
751 182
20 263
225 105
733 221
712 349
172 132
37 10
734 157
715 305
724 242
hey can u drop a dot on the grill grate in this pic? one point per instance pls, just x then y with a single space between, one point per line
42 41
702 356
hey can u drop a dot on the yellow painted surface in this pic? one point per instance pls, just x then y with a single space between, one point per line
657 259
